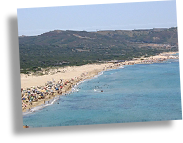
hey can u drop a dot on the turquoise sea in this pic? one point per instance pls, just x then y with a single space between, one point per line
134 93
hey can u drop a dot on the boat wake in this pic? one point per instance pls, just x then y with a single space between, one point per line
95 90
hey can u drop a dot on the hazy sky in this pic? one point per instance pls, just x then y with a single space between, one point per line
121 16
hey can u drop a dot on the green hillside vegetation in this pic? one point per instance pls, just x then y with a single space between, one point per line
67 48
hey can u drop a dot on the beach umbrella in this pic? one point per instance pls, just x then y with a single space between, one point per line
31 98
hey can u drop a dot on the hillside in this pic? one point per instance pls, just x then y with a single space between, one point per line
61 48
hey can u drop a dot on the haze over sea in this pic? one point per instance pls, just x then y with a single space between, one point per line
135 93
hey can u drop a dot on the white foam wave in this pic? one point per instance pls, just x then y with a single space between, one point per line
100 73
48 103
121 67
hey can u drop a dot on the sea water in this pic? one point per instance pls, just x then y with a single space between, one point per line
135 93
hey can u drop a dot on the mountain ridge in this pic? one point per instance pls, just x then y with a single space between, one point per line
82 47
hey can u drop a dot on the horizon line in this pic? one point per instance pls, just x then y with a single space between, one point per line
98 30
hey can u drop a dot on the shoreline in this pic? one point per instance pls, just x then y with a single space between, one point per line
57 97
72 77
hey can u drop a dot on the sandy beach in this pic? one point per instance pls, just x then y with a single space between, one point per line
36 90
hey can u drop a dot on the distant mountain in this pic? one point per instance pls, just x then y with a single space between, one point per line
60 48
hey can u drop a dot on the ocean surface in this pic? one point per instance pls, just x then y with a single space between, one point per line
134 93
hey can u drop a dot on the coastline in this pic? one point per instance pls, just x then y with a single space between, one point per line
72 76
